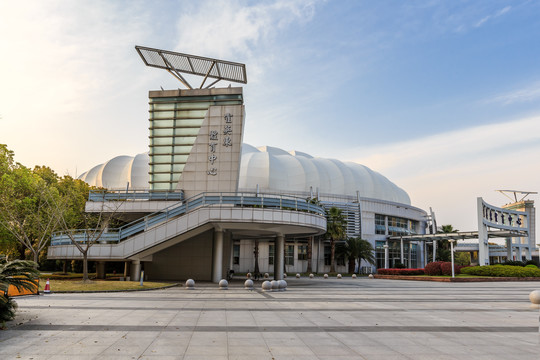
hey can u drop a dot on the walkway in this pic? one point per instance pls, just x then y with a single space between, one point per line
313 319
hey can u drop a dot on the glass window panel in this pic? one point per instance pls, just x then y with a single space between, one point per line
191 113
163 132
161 177
188 122
161 114
162 123
163 159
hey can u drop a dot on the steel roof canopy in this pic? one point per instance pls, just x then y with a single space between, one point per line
176 63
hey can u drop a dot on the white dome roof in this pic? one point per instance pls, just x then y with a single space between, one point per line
273 169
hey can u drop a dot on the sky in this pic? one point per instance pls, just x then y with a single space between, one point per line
441 97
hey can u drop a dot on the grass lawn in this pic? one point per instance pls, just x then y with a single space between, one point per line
99 285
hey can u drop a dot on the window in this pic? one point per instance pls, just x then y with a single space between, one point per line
302 252
327 251
271 254
236 254
289 255
380 225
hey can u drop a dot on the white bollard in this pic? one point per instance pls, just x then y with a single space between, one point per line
339 276
370 276
248 275
311 276
354 276
298 276
534 297
223 284
284 275
325 276
275 285
266 286
190 284
266 276
282 285
248 284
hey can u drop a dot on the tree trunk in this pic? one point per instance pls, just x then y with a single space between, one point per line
85 266
352 264
332 255
36 258
309 254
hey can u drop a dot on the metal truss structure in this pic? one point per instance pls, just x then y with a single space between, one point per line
178 63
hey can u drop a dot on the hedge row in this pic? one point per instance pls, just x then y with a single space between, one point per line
438 268
400 271
501 271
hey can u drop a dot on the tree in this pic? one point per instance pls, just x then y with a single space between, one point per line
354 249
443 254
19 273
336 229
69 210
25 211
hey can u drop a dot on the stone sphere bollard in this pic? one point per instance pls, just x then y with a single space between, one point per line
266 286
311 276
285 275
248 275
275 285
223 284
298 276
370 276
338 276
354 276
534 296
190 284
282 285
266 276
325 276
248 284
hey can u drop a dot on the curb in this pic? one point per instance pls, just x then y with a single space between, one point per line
109 291
485 279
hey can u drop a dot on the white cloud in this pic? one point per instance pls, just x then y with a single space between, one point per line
449 170
492 16
526 94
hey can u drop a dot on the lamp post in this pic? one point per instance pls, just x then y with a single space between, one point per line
385 246
452 254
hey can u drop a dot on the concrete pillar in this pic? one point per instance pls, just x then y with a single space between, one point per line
279 259
385 246
100 270
136 270
409 257
217 256
434 250
509 249
126 269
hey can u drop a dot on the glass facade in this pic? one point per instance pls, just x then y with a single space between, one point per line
271 254
410 254
396 225
174 125
302 252
236 254
289 255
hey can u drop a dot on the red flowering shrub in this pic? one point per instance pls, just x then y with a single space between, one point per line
446 268
400 271
433 268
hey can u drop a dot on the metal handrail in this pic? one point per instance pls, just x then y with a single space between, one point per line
278 201
119 195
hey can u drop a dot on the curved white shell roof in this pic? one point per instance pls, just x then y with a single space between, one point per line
273 169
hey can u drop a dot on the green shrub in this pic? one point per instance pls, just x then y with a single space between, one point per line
532 266
514 263
501 271
533 262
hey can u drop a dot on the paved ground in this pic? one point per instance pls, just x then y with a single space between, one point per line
313 319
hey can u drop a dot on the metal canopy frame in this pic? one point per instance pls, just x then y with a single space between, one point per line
458 235
178 63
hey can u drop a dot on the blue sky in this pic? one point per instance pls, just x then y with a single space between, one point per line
442 97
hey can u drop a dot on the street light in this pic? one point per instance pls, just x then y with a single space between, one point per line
452 254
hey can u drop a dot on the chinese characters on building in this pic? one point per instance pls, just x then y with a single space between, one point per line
214 141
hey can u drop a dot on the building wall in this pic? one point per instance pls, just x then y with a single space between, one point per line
190 259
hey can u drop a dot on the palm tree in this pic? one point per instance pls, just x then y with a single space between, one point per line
336 227
19 273
444 252
356 249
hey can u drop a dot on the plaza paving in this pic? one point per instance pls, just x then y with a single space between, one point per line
313 319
